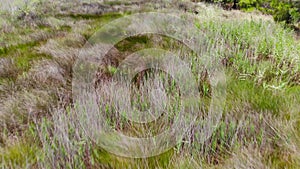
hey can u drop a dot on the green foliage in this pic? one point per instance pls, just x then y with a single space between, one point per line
248 3
282 10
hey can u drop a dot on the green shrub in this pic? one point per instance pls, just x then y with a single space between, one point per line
282 10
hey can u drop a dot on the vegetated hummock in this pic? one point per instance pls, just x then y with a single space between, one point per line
40 42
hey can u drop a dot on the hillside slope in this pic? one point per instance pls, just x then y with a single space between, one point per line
260 125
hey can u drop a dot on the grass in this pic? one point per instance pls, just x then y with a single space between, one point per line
259 127
258 97
20 155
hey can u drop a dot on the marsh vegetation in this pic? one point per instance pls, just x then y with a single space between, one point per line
40 42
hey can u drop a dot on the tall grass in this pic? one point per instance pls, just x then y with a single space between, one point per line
41 127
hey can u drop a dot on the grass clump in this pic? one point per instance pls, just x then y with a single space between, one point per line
19 155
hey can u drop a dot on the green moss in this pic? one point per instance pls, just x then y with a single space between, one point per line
106 16
112 3
96 22
23 47
23 55
132 44
112 70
